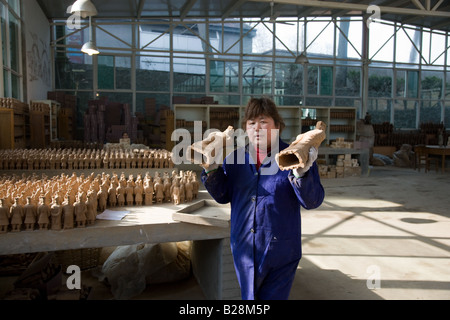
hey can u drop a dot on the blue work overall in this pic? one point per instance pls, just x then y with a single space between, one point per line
265 219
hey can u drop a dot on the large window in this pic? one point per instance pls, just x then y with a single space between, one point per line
233 60
114 72
11 60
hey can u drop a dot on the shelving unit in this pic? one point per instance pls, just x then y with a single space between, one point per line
6 128
166 128
292 120
53 107
39 125
14 124
341 122
65 123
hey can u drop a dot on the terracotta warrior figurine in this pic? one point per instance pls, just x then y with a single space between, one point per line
4 217
67 213
43 211
91 211
79 211
30 212
102 196
148 192
159 190
129 192
16 213
112 196
138 194
175 190
120 191
56 213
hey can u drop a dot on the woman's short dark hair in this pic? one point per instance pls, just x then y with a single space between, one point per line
262 106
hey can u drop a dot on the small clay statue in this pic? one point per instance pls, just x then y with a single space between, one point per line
91 209
43 211
120 191
79 211
189 191
67 213
112 196
129 193
16 214
138 194
167 184
176 192
159 190
4 217
56 213
30 212
102 197
148 193
182 191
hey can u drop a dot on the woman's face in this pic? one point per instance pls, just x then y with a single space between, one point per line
260 131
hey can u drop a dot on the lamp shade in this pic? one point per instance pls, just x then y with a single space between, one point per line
85 8
90 48
301 59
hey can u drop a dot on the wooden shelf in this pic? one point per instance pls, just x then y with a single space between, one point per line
166 128
341 121
65 124
14 123
53 108
39 125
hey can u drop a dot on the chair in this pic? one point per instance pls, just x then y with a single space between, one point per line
423 160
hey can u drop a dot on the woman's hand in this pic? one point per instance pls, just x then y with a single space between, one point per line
312 156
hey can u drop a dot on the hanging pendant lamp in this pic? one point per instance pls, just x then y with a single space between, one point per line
85 8
89 47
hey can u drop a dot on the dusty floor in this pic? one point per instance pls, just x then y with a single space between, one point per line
382 236
389 231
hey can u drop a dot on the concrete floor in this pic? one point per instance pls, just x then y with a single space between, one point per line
392 226
382 236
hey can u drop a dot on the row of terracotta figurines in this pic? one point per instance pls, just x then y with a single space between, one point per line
37 202
74 159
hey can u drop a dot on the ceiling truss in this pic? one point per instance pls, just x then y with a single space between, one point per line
432 14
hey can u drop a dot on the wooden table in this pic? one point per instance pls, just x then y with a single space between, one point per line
212 262
438 150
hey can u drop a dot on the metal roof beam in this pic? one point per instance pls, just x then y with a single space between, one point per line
362 7
140 8
437 5
186 8
233 6
418 4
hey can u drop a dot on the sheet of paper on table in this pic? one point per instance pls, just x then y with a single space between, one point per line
112 215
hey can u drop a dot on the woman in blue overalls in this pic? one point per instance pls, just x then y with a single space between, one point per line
265 204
